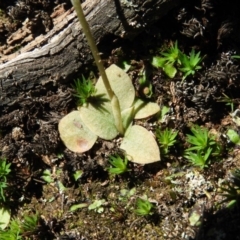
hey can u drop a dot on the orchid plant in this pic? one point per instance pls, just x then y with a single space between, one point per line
114 116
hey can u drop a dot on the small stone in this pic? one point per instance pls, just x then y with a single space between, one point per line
18 134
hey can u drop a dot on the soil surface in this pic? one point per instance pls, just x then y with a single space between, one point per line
30 141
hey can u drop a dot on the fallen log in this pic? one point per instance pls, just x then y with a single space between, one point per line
53 57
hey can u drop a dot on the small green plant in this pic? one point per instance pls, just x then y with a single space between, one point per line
168 59
125 194
29 224
18 230
144 207
199 159
145 85
201 140
47 176
162 114
60 155
203 146
125 65
172 54
97 205
77 174
232 190
189 65
75 207
166 139
173 59
84 90
4 172
233 136
119 165
229 101
13 232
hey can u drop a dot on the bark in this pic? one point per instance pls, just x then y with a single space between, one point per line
52 58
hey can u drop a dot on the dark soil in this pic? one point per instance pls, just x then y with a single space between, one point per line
29 137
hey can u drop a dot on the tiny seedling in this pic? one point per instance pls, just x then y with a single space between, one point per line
145 85
162 114
18 230
231 194
13 232
50 177
233 136
61 187
125 65
172 54
84 89
232 190
119 165
60 155
75 207
77 174
125 194
30 224
166 139
189 65
200 140
195 218
4 172
168 60
97 205
47 176
229 101
203 146
173 59
144 207
199 159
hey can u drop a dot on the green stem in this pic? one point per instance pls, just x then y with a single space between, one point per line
91 42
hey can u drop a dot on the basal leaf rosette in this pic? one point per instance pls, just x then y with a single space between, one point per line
79 129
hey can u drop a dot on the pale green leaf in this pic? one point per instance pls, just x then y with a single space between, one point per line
145 109
126 65
61 187
100 121
96 205
78 206
75 134
195 219
233 136
162 114
47 176
158 62
121 85
170 70
140 146
4 217
77 174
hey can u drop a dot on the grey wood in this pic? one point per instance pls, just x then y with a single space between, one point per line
52 58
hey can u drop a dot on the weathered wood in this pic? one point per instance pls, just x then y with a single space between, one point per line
57 55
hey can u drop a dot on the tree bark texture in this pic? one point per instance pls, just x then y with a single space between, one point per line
50 59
